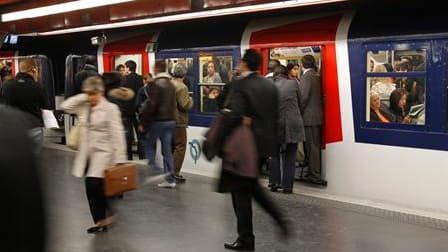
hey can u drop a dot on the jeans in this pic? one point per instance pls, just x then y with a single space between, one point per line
162 130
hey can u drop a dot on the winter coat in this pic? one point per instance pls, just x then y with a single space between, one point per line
290 122
102 141
184 103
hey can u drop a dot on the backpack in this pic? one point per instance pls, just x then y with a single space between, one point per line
143 105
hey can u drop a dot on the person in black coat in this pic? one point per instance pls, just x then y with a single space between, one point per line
23 212
254 97
89 69
133 81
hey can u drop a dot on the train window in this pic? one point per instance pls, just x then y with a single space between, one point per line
214 72
121 59
286 55
215 69
396 86
396 61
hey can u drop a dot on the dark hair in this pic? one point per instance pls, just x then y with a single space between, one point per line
111 80
252 58
290 66
308 61
280 70
131 65
117 68
160 66
394 99
273 64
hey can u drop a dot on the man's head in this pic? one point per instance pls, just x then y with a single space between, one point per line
272 65
210 68
29 66
308 61
159 67
251 60
130 66
121 69
180 70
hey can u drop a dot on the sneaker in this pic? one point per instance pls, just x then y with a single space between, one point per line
167 185
179 179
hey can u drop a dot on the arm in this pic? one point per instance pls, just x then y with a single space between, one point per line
117 134
73 104
305 90
184 101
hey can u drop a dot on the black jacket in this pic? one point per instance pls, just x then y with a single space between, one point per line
134 82
25 94
161 105
256 97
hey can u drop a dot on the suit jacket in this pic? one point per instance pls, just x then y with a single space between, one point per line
312 104
102 142
256 97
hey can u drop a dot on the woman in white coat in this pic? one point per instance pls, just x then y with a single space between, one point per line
101 145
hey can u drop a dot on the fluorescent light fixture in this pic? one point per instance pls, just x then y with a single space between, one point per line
191 15
58 8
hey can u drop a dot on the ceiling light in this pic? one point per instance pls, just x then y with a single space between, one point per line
191 15
57 8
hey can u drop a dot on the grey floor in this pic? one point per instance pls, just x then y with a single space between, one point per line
193 217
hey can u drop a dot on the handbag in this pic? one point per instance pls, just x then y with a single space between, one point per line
73 137
119 179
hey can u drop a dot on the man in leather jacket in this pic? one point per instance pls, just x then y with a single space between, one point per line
158 120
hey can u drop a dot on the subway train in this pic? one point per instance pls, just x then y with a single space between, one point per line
366 57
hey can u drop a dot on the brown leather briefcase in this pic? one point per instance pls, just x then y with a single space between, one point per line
119 179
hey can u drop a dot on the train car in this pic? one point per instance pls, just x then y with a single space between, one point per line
363 54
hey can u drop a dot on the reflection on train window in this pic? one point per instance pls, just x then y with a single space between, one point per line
286 55
6 72
396 100
215 69
188 63
209 95
396 61
121 59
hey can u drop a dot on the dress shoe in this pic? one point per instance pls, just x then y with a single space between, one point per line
97 229
240 246
275 188
315 181
287 190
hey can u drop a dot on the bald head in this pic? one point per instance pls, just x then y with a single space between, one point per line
27 65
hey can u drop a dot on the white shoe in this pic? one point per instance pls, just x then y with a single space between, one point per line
167 185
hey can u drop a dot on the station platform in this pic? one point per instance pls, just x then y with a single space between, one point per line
193 217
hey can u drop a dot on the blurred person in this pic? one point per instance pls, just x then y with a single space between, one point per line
88 69
384 87
184 104
398 104
101 146
23 206
378 112
290 130
212 76
271 67
140 101
24 93
312 106
255 98
158 121
121 97
121 69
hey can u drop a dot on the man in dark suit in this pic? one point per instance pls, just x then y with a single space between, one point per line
254 97
312 105
133 81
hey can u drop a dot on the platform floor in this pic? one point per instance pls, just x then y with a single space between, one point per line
194 218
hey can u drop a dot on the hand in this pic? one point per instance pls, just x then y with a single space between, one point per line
140 128
406 120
